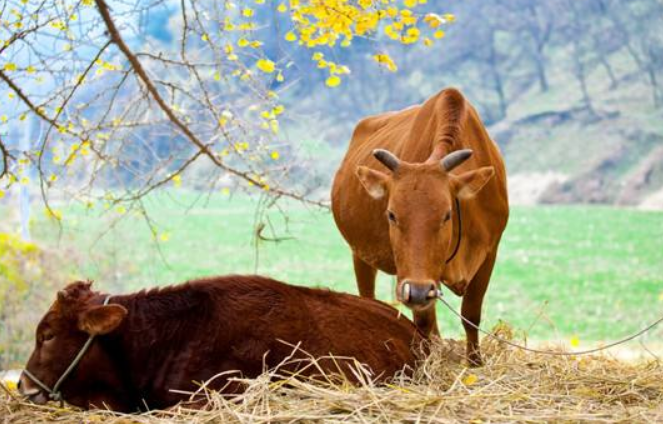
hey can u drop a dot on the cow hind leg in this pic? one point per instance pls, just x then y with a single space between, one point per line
471 309
365 275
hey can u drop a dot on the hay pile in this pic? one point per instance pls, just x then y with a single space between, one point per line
513 386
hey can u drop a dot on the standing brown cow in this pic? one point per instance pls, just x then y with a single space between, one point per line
128 352
419 220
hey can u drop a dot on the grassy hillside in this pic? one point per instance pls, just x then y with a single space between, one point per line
563 270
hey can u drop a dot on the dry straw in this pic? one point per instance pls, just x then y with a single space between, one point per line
513 386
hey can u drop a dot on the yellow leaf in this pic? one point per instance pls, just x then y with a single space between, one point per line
282 8
242 42
660 296
164 237
279 77
204 37
266 65
470 379
247 12
333 81
275 155
290 36
225 191
438 34
2 194
3 118
410 3
575 341
10 66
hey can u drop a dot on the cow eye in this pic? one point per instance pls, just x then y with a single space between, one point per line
447 216
391 216
46 336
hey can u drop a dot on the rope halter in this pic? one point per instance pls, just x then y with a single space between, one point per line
54 393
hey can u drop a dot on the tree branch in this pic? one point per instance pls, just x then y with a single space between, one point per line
151 88
6 156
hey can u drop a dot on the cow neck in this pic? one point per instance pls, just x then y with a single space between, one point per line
129 357
459 227
130 346
140 343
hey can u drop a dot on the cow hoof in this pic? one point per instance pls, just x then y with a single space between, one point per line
474 360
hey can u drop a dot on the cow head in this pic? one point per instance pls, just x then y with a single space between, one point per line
420 207
75 315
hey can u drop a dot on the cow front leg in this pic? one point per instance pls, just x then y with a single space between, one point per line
471 310
365 275
426 322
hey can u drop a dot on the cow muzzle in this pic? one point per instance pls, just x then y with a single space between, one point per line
418 294
32 394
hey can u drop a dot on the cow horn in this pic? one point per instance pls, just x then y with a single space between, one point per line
62 295
454 159
387 159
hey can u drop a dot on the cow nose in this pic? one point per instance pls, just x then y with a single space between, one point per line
418 293
26 389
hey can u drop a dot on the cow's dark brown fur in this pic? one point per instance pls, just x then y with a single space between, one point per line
153 341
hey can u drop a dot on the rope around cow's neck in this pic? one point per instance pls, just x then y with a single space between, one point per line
460 232
548 352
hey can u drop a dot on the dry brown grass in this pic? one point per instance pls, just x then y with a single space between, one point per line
513 386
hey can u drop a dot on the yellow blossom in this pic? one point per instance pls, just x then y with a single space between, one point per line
275 155
333 81
266 65
386 60
177 180
470 379
575 341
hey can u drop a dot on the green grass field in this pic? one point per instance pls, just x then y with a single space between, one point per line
594 272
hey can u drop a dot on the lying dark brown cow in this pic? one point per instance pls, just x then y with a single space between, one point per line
150 343
421 193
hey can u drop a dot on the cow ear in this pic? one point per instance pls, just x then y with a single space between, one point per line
468 184
100 320
375 182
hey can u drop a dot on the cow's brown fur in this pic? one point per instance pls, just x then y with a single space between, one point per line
170 338
421 195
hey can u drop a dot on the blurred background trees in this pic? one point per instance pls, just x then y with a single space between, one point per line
160 111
